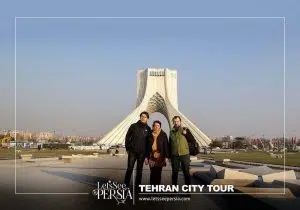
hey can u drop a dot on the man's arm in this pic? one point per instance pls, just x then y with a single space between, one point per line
148 143
166 146
128 138
169 146
189 136
148 148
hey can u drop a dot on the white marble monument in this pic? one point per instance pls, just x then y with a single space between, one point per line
156 92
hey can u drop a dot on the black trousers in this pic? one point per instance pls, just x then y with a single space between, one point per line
184 161
132 158
155 175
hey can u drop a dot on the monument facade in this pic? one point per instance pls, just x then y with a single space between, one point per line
156 92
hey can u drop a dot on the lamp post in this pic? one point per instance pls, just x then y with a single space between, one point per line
294 135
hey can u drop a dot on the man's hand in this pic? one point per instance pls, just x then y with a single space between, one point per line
151 163
184 131
146 161
166 160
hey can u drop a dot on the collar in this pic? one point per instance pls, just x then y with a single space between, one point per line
140 123
156 133
176 129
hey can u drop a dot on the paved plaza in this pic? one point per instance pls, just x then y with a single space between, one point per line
42 176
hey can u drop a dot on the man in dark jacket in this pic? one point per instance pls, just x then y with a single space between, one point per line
136 144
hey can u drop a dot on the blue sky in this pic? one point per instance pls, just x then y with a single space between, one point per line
78 76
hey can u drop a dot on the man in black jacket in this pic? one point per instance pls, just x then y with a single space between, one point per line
136 144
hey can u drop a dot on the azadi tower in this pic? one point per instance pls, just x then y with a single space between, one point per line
156 92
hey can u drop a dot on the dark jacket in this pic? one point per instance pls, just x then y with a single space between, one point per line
136 137
162 145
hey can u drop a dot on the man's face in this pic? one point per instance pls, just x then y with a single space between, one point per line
144 118
176 122
156 127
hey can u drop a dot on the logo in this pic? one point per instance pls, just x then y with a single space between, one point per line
113 190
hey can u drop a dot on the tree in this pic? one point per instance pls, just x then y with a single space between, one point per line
217 144
240 138
239 144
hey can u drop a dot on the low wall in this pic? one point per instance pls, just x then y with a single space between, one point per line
85 147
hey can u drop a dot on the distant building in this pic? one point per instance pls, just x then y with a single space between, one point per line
227 138
13 133
25 134
226 144
4 132
45 135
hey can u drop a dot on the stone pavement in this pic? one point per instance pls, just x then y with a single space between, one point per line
81 176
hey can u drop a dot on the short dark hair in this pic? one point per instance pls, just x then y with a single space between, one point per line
156 121
176 117
145 113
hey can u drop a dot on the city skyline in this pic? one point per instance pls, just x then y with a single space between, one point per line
48 134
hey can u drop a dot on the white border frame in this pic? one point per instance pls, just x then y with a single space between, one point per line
158 17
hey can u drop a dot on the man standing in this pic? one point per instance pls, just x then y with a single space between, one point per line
136 144
179 150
